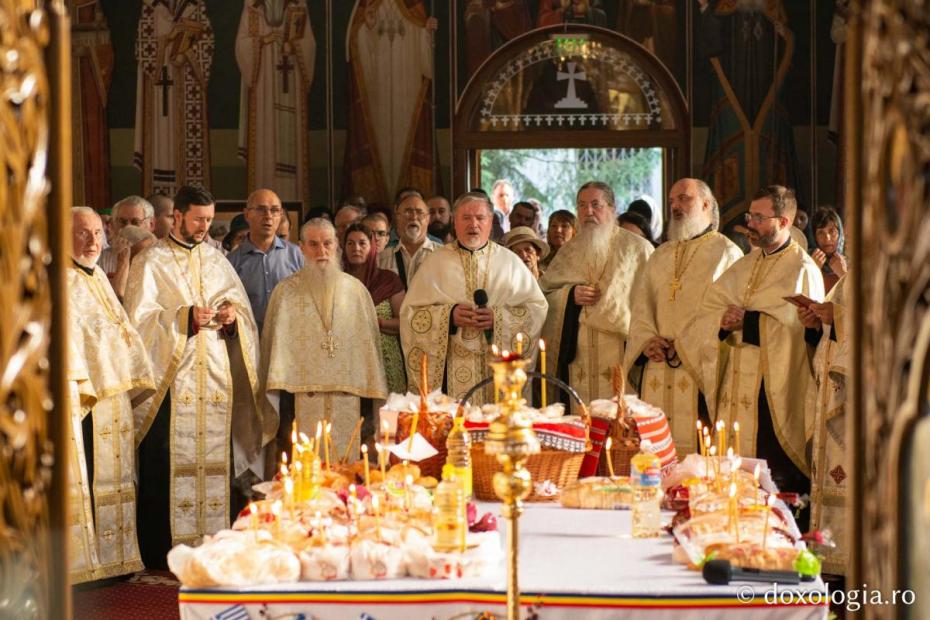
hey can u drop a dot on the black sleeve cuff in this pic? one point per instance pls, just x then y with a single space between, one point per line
453 328
833 334
723 334
642 360
231 331
812 336
751 327
192 328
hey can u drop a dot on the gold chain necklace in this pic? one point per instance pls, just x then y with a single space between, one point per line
329 343
681 249
756 276
183 274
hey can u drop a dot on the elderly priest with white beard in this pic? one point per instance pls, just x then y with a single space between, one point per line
321 346
667 298
202 427
108 371
589 286
466 296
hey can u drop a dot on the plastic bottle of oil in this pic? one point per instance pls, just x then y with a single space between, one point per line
458 447
646 479
449 521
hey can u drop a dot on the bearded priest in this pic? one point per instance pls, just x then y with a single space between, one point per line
752 348
321 346
589 286
667 297
108 370
466 296
195 319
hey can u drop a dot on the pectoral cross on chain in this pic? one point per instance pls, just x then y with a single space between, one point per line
329 344
673 288
285 68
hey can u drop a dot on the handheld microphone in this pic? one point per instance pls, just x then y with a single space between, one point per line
721 573
480 297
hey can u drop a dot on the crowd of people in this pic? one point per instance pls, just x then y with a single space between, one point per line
192 362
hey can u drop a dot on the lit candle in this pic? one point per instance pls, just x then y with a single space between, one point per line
365 465
715 464
299 478
317 446
424 379
768 511
610 461
721 437
408 499
700 438
289 495
253 516
542 369
384 432
520 343
381 458
294 440
327 441
736 437
734 516
707 465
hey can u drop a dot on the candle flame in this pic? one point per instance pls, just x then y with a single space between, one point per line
698 426
608 444
730 453
713 450
378 447
364 450
542 345
298 466
304 438
284 458
736 426
319 429
732 489
288 486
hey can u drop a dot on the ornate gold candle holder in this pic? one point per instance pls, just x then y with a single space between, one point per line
511 441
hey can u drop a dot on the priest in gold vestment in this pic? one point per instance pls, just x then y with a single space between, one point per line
441 319
589 286
321 346
752 349
667 297
829 463
202 427
108 370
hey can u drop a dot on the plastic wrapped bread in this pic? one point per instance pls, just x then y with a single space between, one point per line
232 558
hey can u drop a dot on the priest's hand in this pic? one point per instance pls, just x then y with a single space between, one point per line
823 312
838 264
484 318
587 295
809 318
655 348
226 314
732 319
463 316
203 316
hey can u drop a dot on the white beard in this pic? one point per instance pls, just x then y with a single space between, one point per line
323 286
597 239
687 228
90 263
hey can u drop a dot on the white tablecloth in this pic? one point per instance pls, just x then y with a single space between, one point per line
574 564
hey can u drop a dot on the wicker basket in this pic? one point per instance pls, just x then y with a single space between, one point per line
623 433
558 466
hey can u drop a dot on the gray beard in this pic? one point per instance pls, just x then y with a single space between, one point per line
323 286
89 263
688 228
596 240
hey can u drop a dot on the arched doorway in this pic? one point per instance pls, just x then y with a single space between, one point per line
587 91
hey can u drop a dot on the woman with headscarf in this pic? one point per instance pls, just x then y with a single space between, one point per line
828 233
360 259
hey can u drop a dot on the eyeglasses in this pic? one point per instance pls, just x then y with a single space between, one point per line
758 219
417 213
267 211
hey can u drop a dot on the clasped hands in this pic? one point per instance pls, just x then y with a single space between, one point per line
587 295
225 314
466 315
660 349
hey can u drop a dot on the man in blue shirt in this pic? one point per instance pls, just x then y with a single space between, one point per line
263 259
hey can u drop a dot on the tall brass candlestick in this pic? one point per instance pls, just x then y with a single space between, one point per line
511 441
542 369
